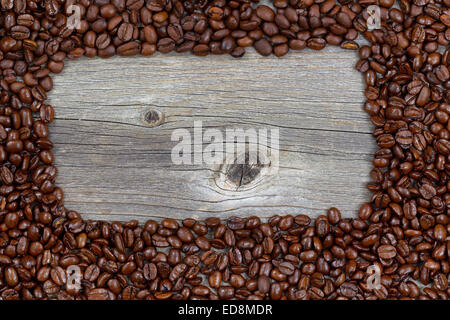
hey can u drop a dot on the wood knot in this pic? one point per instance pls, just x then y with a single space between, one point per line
244 173
153 117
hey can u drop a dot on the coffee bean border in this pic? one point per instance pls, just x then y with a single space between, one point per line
403 229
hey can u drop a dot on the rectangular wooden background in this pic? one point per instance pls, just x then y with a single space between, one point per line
114 166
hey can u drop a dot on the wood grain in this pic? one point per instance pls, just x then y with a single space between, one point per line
113 165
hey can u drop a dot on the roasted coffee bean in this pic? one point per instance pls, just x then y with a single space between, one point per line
316 43
263 47
166 45
100 294
386 252
129 49
125 32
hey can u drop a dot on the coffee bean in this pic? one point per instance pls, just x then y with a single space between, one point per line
266 13
386 252
166 45
201 50
102 41
263 284
348 290
6 175
11 276
125 32
286 268
302 220
58 275
100 294
129 49
235 223
175 31
263 47
316 43
334 215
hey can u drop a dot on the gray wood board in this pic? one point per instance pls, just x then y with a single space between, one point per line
114 166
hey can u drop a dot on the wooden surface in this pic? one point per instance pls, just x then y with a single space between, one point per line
113 165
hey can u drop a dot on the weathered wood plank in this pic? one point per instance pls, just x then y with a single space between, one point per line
112 165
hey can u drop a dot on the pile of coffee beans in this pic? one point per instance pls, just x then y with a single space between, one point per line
397 248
